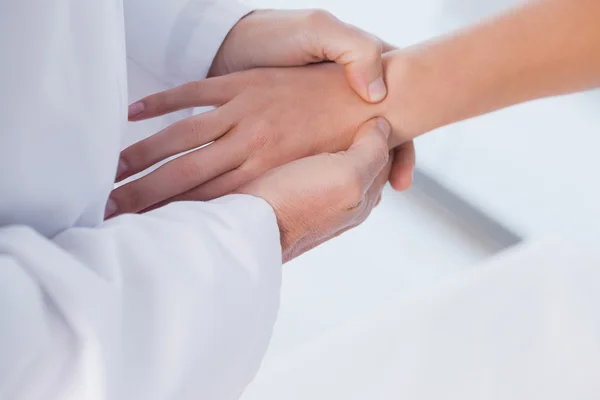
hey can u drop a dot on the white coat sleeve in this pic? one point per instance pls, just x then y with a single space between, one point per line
178 303
177 40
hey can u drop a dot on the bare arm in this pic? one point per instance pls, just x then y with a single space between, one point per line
545 48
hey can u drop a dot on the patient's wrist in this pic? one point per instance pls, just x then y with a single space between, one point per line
413 104
427 90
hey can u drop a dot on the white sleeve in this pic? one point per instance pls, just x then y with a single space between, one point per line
176 40
178 303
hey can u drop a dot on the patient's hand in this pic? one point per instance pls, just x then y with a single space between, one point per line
265 118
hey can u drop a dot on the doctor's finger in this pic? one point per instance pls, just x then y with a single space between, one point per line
182 136
359 51
219 186
369 153
401 176
177 176
207 92
373 196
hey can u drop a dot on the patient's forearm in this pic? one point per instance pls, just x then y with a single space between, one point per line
545 48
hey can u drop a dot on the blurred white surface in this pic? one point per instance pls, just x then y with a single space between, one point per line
409 243
521 326
534 167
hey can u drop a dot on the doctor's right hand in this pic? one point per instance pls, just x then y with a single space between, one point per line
320 197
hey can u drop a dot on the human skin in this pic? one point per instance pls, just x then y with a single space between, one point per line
291 38
265 118
544 48
322 196
282 38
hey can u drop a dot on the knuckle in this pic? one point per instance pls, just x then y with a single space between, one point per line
126 158
247 172
251 167
186 91
136 200
160 102
354 191
192 87
259 141
129 199
193 132
319 16
256 75
248 79
137 156
155 100
261 135
371 47
373 43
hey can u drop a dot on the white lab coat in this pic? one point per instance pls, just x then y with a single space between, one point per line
522 326
178 303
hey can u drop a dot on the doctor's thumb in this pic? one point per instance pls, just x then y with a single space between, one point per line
365 76
369 153
358 51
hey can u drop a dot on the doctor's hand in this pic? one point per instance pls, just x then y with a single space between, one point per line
282 38
320 197
266 118
287 38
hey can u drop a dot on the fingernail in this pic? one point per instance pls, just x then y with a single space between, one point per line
111 208
122 168
384 127
377 90
136 109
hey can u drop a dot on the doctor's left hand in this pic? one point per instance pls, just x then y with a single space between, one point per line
288 38
282 38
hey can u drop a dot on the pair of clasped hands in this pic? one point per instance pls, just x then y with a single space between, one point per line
304 135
